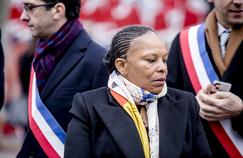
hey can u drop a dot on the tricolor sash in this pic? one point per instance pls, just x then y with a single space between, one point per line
202 73
45 128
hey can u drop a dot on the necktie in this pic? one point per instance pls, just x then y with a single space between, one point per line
223 39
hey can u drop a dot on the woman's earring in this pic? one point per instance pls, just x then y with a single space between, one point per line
124 73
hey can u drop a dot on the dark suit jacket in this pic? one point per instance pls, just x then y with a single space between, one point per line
80 69
1 74
178 78
100 128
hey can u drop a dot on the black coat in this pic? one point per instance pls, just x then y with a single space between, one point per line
80 69
1 74
100 128
178 78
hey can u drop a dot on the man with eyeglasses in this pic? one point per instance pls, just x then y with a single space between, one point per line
66 61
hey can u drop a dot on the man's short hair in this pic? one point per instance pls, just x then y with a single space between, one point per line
72 7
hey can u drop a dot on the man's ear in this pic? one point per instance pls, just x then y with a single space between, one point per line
58 11
121 66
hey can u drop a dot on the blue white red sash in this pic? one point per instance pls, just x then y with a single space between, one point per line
45 128
201 73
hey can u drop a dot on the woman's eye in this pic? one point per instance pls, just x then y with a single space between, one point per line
151 60
165 61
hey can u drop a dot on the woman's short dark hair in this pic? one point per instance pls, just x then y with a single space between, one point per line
72 7
121 43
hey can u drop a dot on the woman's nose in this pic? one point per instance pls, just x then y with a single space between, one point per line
162 66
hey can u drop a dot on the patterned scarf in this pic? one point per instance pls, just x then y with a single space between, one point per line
50 51
128 96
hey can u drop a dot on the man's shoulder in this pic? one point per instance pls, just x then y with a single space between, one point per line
193 29
190 27
87 43
94 96
96 92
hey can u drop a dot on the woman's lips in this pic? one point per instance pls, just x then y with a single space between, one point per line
159 82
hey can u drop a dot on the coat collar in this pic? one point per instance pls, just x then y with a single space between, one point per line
235 40
69 60
115 119
170 111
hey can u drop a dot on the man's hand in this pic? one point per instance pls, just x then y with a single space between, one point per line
218 105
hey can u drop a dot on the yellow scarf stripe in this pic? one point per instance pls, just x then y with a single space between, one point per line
134 114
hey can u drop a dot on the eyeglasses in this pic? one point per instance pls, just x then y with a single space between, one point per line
30 7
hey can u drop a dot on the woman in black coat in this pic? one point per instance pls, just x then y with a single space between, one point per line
137 115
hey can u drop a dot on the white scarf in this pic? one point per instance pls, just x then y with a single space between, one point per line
142 97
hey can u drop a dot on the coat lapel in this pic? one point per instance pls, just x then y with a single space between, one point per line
121 128
213 42
70 59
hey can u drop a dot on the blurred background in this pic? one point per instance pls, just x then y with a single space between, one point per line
102 19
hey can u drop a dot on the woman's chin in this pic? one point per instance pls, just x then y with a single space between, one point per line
156 90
